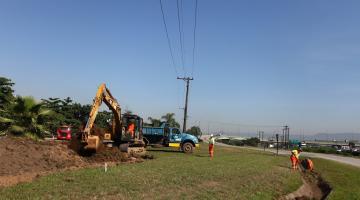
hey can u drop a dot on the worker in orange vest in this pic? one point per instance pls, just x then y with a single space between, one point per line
131 129
211 146
294 158
307 164
310 165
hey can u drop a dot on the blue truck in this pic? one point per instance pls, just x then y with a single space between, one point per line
169 137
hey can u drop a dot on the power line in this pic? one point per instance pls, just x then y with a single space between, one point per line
195 23
183 32
180 35
168 38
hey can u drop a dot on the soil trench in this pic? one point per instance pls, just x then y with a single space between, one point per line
314 187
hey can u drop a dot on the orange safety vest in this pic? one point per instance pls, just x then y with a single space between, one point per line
131 129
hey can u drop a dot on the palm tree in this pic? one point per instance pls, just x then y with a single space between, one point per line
28 117
154 122
4 122
169 118
6 92
195 130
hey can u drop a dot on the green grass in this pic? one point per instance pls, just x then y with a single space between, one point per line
233 174
344 179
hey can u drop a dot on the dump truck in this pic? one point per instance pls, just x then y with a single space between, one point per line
126 133
169 137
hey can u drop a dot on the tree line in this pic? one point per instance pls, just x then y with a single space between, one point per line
38 119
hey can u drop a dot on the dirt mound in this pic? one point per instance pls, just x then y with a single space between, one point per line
24 159
108 155
19 155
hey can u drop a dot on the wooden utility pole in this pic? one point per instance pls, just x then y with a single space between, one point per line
277 144
187 80
286 134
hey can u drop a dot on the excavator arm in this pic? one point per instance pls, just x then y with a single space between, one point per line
103 95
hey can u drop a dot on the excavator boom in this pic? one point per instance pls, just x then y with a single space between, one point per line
91 141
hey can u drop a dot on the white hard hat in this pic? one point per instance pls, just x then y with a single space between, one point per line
211 135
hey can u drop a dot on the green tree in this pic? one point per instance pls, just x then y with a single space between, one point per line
154 122
68 112
6 92
254 141
195 130
53 103
28 117
57 119
104 119
169 118
6 99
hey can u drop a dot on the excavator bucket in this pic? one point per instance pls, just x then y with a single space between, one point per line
93 142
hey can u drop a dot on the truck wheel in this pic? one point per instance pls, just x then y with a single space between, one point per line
187 147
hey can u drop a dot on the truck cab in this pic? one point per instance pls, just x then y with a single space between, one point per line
64 133
170 137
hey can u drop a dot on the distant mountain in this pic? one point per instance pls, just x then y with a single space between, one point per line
338 136
318 136
330 136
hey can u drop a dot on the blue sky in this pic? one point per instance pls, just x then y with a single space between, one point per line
256 63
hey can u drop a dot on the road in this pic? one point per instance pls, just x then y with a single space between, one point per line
342 159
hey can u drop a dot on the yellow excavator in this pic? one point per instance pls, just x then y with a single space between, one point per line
126 129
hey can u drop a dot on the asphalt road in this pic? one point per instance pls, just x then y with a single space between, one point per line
342 159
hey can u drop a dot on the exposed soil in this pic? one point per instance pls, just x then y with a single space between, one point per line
22 159
314 187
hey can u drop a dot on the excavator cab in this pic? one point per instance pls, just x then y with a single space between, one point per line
132 128
132 136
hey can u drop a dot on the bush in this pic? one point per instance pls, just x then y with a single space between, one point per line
252 142
355 153
328 150
236 142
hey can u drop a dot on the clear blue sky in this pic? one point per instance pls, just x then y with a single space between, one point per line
256 62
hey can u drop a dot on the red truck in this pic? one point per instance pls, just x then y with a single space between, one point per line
64 133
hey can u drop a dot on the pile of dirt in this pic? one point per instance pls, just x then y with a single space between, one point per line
23 159
108 155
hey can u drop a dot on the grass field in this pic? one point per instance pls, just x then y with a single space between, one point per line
233 174
344 179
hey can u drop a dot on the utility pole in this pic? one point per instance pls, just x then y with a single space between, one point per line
286 133
283 139
277 144
208 128
288 136
187 80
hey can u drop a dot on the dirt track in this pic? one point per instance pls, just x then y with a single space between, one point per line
314 187
22 159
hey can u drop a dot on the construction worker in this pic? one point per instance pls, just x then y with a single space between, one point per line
211 146
307 164
294 158
131 129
